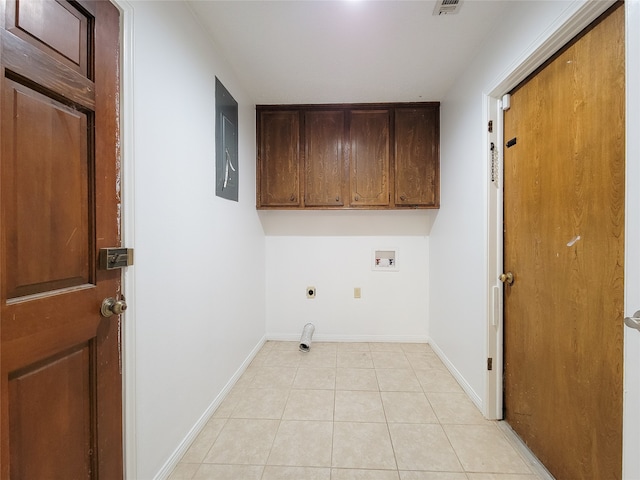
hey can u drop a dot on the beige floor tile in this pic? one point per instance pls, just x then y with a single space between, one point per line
184 471
456 408
228 472
315 378
204 441
296 473
283 358
331 414
354 474
273 377
500 476
432 476
353 347
243 441
483 448
302 444
260 357
228 405
385 347
437 380
247 377
390 360
356 379
354 359
397 380
358 406
261 403
423 447
362 445
309 405
284 346
407 407
415 347
328 347
424 360
320 358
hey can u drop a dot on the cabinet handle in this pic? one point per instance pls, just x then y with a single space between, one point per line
403 198
337 199
356 198
292 198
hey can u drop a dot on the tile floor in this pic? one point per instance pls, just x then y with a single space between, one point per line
347 411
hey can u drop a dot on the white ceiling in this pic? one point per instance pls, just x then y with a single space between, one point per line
347 51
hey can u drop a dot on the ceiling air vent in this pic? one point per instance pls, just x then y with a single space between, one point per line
447 7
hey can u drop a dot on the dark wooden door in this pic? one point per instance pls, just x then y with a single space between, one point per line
60 192
279 158
324 158
564 242
369 157
417 156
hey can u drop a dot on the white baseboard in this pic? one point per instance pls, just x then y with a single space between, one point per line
292 337
473 395
184 445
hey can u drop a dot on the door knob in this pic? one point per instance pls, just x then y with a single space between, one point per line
111 306
507 278
633 322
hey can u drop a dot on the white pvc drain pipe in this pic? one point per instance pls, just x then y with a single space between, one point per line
305 340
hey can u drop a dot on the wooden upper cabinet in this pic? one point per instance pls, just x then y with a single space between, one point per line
279 159
324 164
369 157
361 156
417 157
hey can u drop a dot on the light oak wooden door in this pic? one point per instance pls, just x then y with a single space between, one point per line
564 243
61 403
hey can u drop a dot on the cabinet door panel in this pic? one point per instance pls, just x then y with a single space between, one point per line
324 159
417 157
279 156
369 157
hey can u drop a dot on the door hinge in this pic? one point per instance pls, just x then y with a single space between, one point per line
490 126
494 164
489 363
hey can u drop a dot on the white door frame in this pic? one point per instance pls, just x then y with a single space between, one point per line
631 399
128 239
573 20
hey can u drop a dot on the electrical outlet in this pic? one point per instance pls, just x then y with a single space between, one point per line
311 292
357 292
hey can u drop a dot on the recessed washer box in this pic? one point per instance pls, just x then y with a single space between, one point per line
385 260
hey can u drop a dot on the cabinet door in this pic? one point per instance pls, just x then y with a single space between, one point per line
278 159
369 157
324 159
417 179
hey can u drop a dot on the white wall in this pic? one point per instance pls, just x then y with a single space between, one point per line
458 265
393 304
199 260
